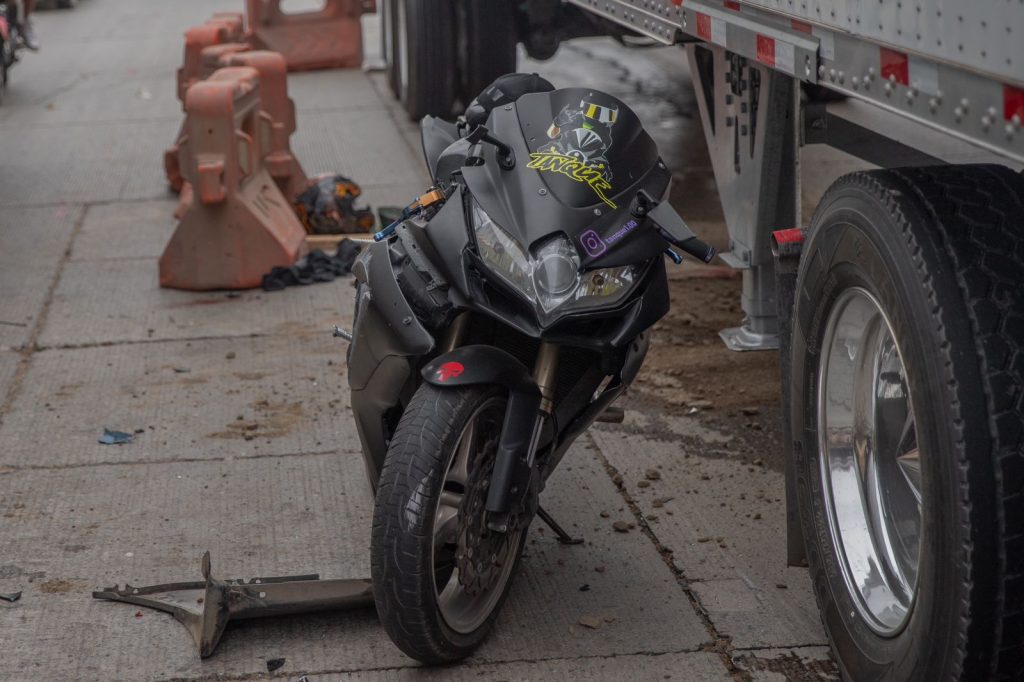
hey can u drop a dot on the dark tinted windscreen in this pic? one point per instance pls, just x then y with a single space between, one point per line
587 146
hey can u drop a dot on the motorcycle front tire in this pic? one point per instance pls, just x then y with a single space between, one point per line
407 504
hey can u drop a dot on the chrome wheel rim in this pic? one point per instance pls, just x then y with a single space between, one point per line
870 464
464 608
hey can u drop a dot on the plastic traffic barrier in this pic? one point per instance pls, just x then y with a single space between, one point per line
197 39
239 224
328 38
278 157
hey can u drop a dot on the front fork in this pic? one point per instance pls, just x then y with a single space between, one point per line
521 431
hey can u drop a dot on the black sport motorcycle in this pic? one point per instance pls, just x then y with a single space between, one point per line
495 322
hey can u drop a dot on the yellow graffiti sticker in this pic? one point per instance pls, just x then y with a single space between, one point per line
553 162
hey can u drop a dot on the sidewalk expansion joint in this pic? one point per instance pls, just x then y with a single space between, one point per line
183 339
14 468
28 349
719 644
412 666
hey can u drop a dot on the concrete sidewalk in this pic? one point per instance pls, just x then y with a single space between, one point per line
245 443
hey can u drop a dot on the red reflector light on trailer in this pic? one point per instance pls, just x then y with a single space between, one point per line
895 66
704 26
1013 103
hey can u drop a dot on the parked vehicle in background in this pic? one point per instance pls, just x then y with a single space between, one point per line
898 312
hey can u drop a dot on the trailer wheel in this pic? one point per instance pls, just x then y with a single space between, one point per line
907 383
487 45
425 46
388 45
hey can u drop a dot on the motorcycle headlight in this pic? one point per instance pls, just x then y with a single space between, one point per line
551 279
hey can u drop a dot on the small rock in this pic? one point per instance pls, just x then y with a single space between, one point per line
705 477
702 405
757 516
274 664
590 622
750 411
605 515
599 569
652 475
584 587
230 355
759 462
703 539
643 484
782 586
621 527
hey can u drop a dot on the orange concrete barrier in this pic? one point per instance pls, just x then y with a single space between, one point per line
279 117
328 38
279 159
239 224
197 39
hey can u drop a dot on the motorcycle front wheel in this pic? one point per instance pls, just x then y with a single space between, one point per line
440 575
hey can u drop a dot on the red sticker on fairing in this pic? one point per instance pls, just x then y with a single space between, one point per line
450 370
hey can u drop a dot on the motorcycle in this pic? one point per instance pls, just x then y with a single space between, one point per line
499 318
11 41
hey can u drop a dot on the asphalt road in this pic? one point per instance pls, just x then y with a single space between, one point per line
245 444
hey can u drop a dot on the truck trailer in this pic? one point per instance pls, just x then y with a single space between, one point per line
897 307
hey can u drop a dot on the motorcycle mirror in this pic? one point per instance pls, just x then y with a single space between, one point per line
672 227
506 157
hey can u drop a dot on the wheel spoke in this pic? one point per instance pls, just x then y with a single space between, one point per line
910 466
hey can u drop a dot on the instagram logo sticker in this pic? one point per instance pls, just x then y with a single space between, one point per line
593 244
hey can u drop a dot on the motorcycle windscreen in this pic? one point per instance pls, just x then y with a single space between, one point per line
566 181
587 146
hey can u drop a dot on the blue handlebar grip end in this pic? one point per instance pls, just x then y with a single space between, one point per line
676 258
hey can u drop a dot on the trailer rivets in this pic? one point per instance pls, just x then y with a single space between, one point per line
1009 131
933 104
841 77
597 211
821 71
888 88
407 321
986 122
958 113
855 81
965 105
543 192
1016 119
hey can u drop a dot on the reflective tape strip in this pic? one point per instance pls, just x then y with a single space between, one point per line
777 54
711 29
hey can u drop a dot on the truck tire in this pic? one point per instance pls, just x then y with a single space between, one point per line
907 382
425 47
487 44
388 47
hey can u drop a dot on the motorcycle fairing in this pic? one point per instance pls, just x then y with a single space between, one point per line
534 204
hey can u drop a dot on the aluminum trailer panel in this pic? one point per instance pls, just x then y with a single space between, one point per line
899 58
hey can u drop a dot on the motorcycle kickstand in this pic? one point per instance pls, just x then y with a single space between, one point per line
563 537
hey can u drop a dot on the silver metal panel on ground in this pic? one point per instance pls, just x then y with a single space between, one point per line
982 35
